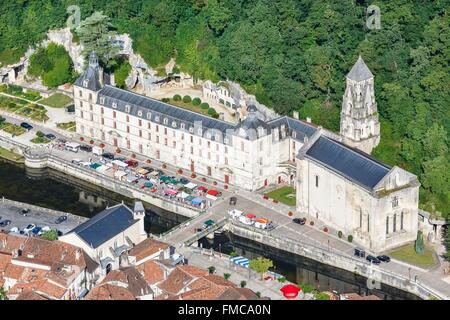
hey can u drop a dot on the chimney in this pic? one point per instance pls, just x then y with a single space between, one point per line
77 254
296 115
308 119
63 254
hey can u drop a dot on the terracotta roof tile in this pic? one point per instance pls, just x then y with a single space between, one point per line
30 295
147 248
152 272
110 292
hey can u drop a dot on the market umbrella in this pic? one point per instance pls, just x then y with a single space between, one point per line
290 291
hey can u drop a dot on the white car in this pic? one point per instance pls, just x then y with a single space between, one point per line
14 230
45 229
29 228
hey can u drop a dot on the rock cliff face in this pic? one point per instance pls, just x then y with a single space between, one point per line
64 38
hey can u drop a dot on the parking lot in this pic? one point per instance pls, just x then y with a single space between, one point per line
40 218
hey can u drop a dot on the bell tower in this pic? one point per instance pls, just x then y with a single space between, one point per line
360 127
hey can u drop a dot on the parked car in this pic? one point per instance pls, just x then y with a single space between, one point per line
108 155
60 219
373 260
37 231
360 253
14 229
300 221
384 258
61 141
5 223
184 181
76 161
72 146
24 212
86 148
26 126
29 228
132 163
50 136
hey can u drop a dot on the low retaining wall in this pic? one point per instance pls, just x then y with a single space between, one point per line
38 160
323 255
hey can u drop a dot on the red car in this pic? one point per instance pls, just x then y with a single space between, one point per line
132 163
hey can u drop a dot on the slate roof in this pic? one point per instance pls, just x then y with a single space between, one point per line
348 162
360 71
92 76
156 111
105 225
302 129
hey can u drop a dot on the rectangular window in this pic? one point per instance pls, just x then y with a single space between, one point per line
114 114
103 111
128 129
192 150
401 221
128 118
394 229
140 148
226 161
165 131
140 133
174 144
140 123
242 145
317 181
192 139
103 121
395 202
165 141
157 139
157 128
387 225
115 125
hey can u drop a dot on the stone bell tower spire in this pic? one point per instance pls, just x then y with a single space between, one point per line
360 126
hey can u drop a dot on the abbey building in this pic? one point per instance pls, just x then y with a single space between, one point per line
335 181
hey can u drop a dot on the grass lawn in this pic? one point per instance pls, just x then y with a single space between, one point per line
35 112
4 153
10 104
189 106
70 126
57 100
13 129
41 140
409 255
285 195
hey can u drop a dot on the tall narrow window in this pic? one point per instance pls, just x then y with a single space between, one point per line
387 225
395 223
360 219
317 181
401 220
368 223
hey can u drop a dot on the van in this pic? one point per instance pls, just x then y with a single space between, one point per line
98 151
360 253
72 146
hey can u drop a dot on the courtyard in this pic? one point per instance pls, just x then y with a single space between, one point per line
285 195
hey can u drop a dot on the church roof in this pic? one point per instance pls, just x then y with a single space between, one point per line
105 225
353 164
90 79
360 71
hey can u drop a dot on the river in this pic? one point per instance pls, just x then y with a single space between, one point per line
51 189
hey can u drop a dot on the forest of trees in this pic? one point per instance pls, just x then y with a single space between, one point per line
294 55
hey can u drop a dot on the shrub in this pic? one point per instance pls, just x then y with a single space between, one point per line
325 229
133 156
180 171
149 161
216 116
204 179
225 187
340 234
350 238
193 175
322 296
40 134
258 294
166 100
311 223
102 145
50 235
243 284
215 183
187 99
204 106
118 150
226 276
233 254
177 97
196 101
211 269
164 166
81 139
282 280
211 111
290 213
275 201
91 142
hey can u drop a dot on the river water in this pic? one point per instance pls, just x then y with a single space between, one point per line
51 189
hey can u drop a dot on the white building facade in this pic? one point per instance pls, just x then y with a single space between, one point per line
255 153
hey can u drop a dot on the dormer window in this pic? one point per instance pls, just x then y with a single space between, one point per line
140 113
102 100
149 115
225 141
191 130
166 121
294 134
174 124
157 118
127 108
208 136
183 126
85 83
260 131
200 132
114 105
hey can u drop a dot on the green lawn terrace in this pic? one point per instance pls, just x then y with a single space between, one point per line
195 105
408 254
12 129
20 92
57 100
69 126
33 111
285 195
